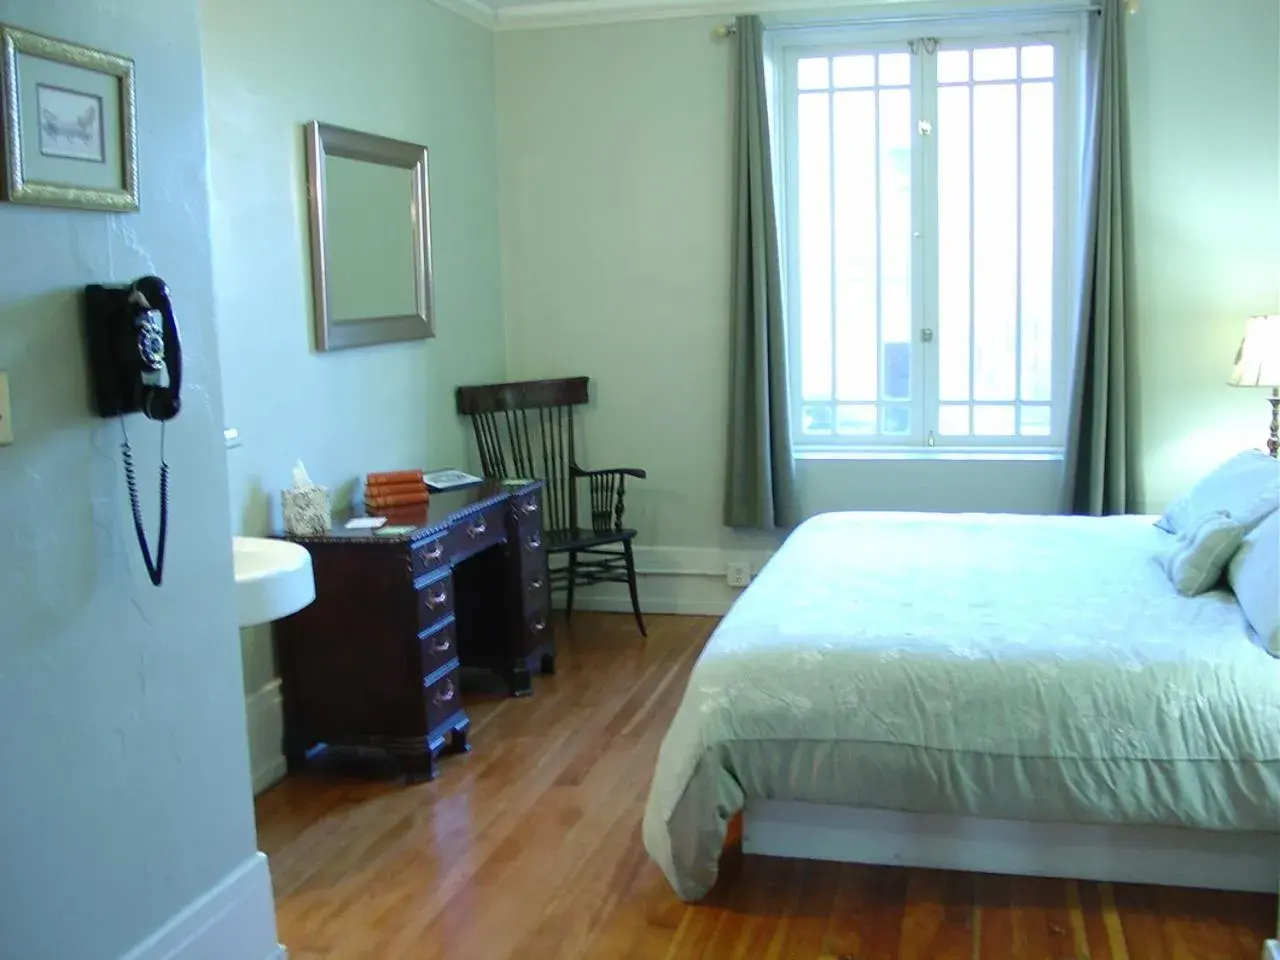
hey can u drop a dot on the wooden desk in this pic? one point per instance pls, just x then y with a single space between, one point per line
375 660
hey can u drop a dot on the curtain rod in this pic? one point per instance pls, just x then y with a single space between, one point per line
1131 6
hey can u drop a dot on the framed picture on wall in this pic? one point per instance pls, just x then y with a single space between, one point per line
70 134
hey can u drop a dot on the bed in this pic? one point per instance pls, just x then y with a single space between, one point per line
1002 693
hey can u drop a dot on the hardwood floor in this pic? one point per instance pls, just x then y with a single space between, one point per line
530 847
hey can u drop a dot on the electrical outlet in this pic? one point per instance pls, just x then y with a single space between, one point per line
738 574
6 415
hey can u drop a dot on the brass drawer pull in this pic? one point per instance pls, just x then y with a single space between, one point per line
436 551
437 599
535 585
444 693
442 644
528 507
538 626
534 542
477 528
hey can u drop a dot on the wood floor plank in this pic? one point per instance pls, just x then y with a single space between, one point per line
530 848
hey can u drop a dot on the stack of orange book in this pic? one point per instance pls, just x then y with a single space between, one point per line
394 490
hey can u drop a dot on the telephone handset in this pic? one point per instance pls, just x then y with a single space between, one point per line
135 362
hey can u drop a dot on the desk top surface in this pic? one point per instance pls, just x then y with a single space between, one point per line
412 523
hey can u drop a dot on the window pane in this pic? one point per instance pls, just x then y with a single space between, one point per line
1036 422
993 421
995 254
954 256
897 419
895 234
1037 240
897 371
815 420
855 71
996 63
811 74
953 420
856 268
1037 62
895 69
857 420
953 66
814 169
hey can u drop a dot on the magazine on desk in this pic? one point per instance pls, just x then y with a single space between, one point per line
439 481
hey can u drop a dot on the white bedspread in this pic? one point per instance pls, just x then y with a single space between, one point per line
999 666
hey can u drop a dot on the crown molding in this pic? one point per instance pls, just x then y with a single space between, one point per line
474 10
576 13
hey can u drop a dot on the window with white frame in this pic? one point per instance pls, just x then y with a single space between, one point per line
930 174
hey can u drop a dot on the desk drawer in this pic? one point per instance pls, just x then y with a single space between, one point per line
533 551
441 699
537 629
435 602
477 532
436 649
429 556
535 587
527 509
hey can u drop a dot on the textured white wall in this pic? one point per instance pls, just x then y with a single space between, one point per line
126 788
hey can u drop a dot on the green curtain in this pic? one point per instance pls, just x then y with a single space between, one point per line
1099 468
760 490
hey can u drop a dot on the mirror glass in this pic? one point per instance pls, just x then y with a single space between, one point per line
370 238
369 234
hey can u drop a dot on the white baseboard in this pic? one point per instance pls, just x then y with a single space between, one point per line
236 918
265 719
684 580
694 561
686 606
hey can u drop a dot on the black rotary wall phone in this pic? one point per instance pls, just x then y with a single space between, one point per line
135 362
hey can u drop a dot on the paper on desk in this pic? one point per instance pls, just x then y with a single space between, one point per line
365 523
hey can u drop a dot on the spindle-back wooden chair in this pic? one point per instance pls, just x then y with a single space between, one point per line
526 429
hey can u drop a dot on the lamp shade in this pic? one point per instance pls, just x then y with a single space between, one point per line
1258 359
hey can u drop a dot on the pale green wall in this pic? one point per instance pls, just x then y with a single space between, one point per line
615 146
614 143
409 70
1205 90
406 69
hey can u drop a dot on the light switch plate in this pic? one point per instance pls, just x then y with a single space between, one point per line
6 416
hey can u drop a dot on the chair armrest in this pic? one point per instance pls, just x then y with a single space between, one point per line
615 471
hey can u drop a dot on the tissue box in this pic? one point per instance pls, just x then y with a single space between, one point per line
306 511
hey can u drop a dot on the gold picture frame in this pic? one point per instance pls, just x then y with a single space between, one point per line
70 127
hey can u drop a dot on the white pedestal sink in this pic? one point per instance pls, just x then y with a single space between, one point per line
273 579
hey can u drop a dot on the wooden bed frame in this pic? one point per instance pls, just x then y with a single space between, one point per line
1121 854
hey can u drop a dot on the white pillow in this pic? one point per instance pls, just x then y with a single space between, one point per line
1254 574
1246 487
1196 560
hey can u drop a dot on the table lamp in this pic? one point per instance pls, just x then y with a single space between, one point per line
1258 365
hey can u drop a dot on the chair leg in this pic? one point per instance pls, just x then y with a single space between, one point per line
631 584
573 574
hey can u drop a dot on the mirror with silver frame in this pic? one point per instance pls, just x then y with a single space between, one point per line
370 238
